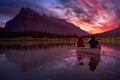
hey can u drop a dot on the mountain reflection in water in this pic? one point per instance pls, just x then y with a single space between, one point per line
28 57
57 61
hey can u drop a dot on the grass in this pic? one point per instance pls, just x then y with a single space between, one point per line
36 41
27 40
40 43
110 40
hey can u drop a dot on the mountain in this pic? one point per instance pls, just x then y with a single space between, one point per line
29 20
112 33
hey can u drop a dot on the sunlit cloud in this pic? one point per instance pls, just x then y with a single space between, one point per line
93 16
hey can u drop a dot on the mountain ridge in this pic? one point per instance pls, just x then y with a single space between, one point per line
29 20
113 33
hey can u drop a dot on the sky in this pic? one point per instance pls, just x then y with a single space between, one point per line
93 16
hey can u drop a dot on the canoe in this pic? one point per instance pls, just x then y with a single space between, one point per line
88 50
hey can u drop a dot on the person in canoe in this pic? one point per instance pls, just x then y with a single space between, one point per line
80 42
94 43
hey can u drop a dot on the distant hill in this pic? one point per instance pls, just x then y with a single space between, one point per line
30 21
112 33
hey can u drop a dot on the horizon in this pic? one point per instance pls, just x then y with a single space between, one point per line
90 15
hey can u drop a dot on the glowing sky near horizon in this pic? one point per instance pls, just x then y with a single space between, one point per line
93 16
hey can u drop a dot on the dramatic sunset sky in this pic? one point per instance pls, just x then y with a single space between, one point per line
94 16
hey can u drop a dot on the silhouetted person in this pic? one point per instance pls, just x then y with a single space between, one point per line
80 42
94 43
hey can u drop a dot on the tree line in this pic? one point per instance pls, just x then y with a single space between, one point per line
36 35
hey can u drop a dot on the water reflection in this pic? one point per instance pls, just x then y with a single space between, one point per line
59 61
114 45
32 45
28 57
94 60
27 60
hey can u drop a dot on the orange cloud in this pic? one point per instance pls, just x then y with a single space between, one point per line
93 16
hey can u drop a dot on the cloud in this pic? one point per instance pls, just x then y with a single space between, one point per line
95 14
7 12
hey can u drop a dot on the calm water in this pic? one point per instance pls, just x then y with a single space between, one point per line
58 62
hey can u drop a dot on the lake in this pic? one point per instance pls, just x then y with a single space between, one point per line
58 62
